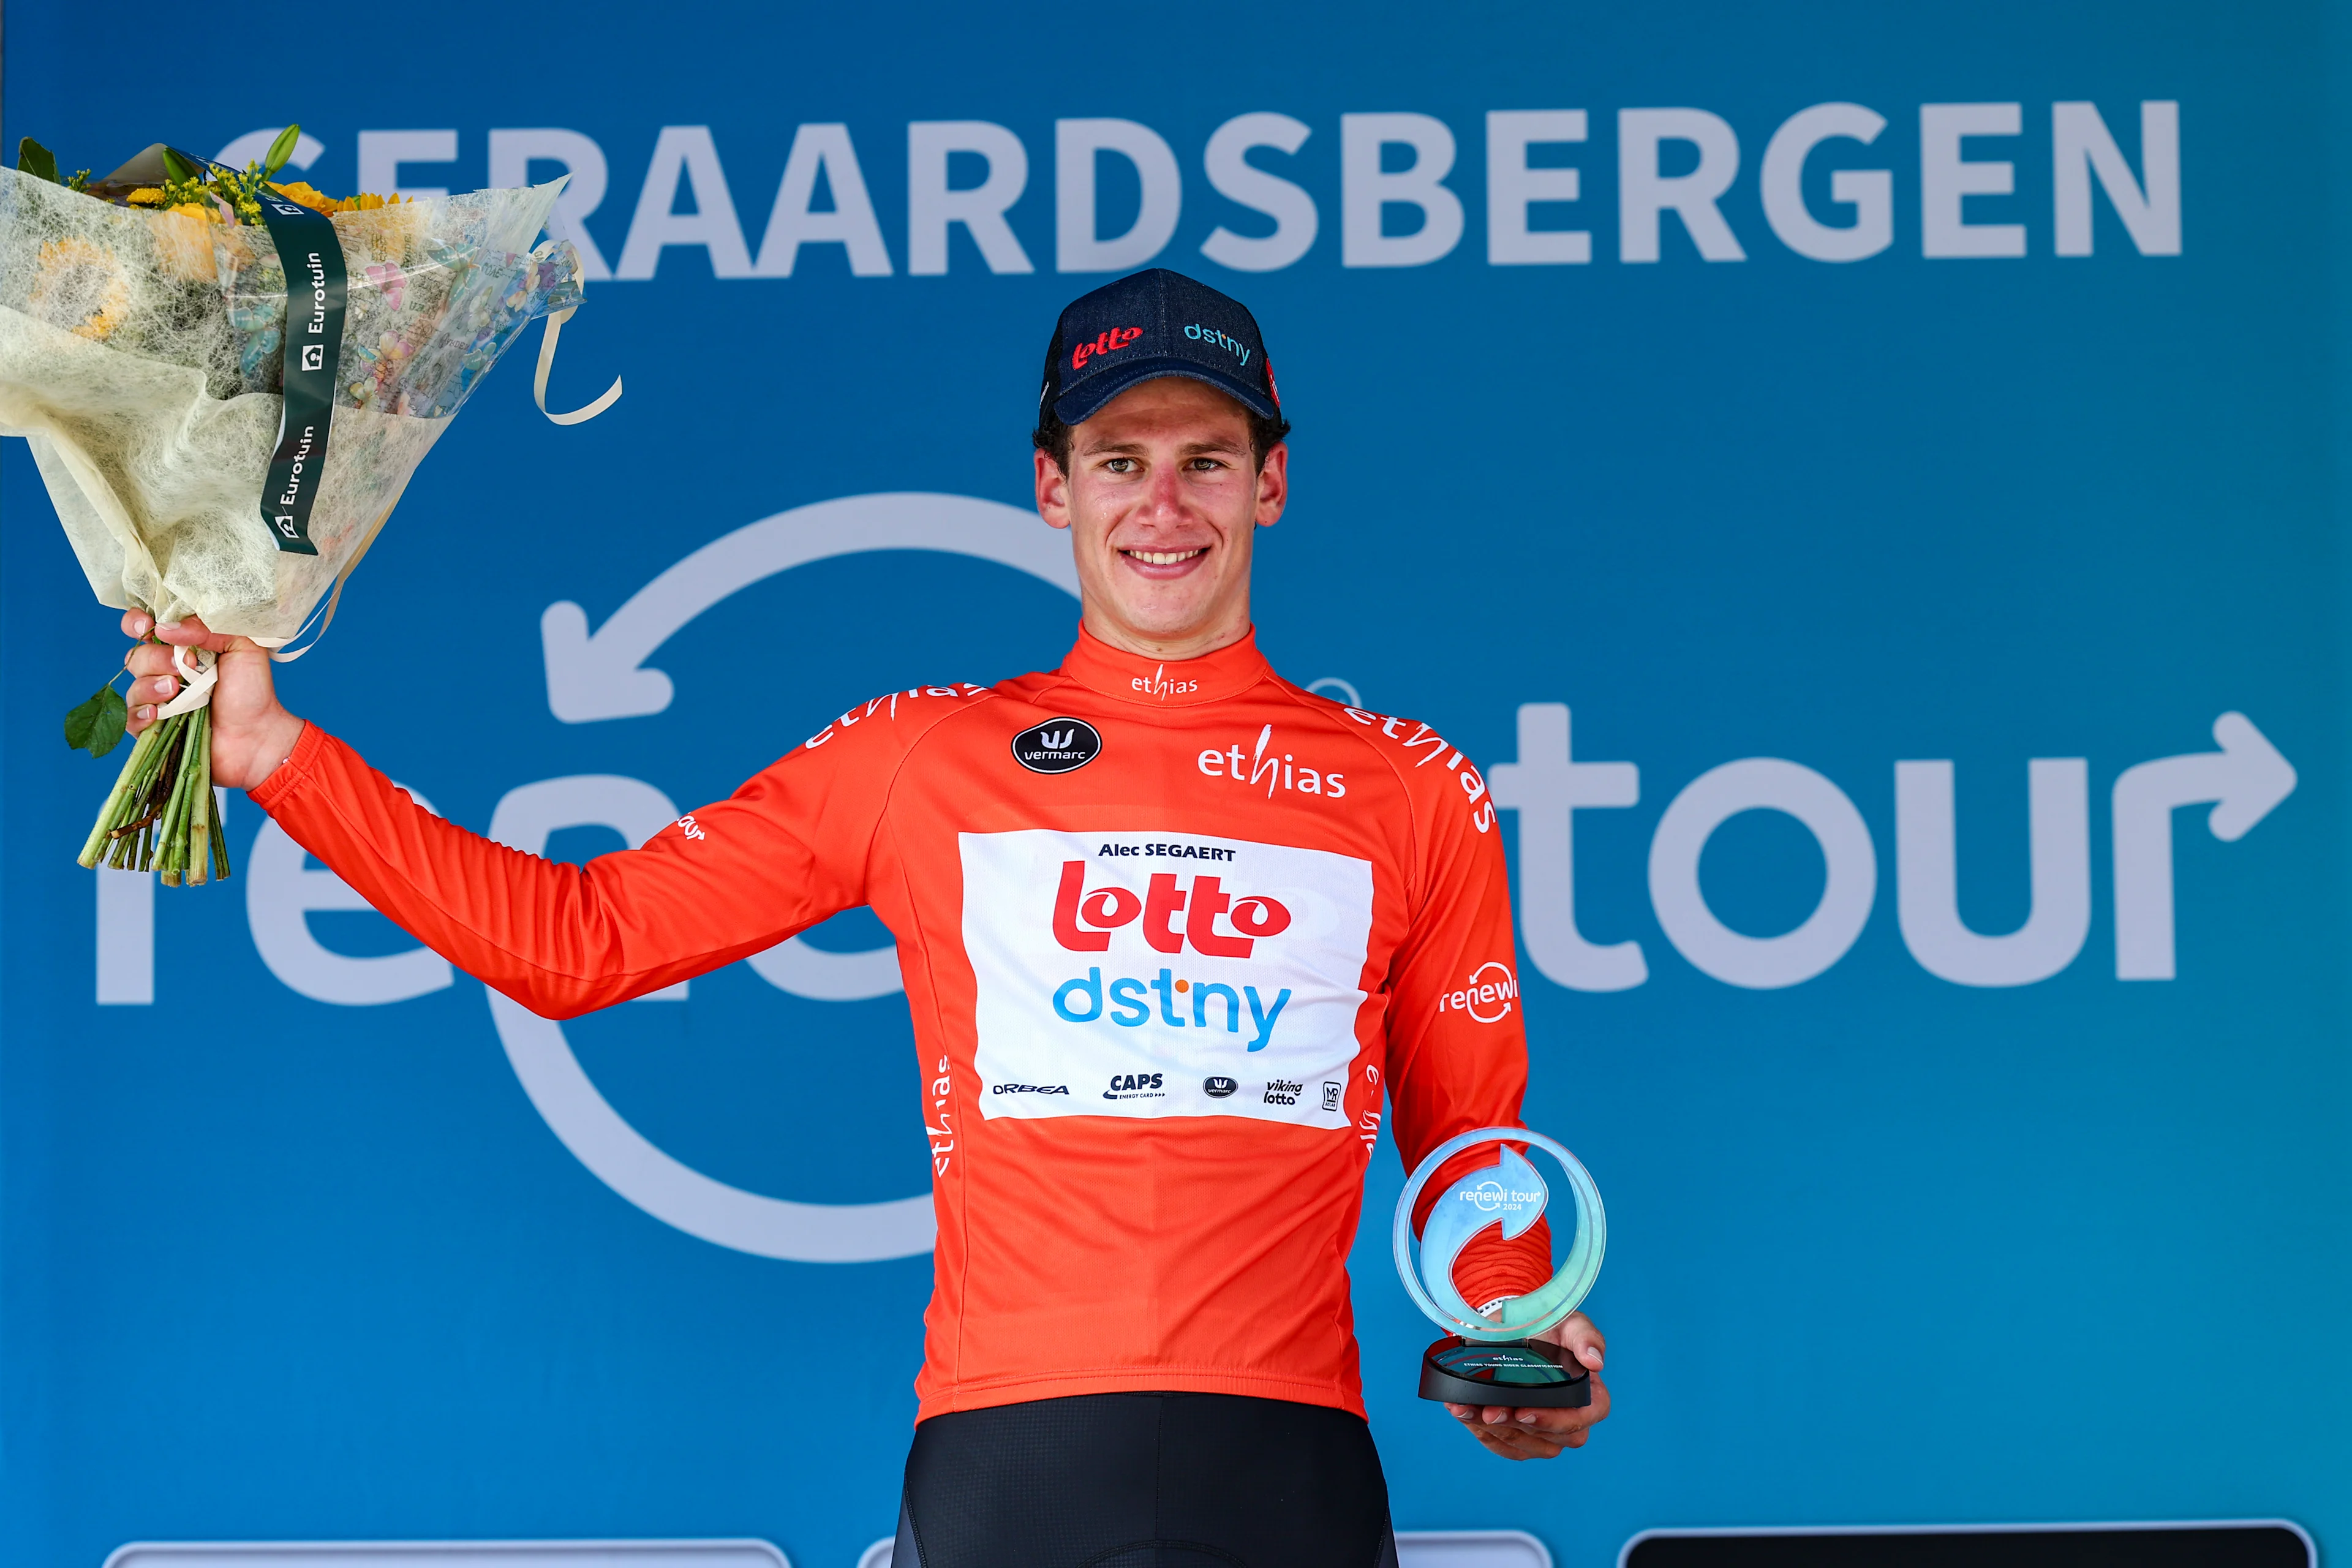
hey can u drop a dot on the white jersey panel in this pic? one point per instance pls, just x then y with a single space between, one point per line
1149 974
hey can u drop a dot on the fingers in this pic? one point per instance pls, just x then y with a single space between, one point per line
1533 1432
149 658
158 678
1519 1443
189 632
1580 1337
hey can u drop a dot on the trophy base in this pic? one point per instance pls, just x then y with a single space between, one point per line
1517 1372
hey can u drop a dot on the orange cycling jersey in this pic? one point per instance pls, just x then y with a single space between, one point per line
1169 931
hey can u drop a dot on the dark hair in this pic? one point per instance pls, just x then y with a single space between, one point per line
1053 438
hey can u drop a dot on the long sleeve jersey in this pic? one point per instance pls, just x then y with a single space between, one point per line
1170 932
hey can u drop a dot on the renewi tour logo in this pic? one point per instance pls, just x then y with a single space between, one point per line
1492 1197
1057 746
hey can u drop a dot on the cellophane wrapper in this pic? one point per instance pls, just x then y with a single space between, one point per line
140 355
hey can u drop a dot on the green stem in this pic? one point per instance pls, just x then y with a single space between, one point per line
200 820
108 814
169 829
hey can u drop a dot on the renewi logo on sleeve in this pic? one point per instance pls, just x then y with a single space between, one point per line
1163 974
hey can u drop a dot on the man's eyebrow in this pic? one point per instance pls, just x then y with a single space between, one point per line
1135 449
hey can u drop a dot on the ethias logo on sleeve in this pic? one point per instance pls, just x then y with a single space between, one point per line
1166 960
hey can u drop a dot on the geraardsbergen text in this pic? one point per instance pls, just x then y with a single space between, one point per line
1829 180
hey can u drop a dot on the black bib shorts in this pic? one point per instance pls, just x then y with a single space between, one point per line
1145 1480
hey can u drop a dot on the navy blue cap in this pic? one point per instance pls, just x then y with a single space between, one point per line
1148 325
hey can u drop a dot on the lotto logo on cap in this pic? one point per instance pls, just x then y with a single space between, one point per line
1150 325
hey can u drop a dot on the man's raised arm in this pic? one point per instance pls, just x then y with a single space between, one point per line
787 849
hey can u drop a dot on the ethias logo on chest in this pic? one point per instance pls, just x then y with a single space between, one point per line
1276 770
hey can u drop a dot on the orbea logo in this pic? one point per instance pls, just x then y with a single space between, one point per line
1082 1001
1489 996
1084 920
1108 342
1202 335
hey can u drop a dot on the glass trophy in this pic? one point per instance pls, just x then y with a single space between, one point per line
1498 1360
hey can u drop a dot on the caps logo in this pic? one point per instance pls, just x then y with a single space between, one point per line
1107 342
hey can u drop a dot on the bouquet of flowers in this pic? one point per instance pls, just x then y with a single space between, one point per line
211 453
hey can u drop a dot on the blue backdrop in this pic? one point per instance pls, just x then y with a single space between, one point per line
1908 1225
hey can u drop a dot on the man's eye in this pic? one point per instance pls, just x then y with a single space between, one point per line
1207 465
1121 465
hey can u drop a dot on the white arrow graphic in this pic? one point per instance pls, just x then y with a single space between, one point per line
603 676
2245 778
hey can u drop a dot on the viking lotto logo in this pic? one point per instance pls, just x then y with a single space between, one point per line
1057 746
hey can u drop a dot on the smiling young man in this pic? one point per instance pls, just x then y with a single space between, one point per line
1173 932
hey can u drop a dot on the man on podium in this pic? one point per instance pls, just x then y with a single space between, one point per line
1172 930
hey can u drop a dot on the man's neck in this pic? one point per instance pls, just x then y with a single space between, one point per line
1181 646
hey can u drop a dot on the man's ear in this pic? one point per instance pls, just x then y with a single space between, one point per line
1273 484
1053 491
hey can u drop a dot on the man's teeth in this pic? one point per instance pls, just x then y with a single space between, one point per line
1163 557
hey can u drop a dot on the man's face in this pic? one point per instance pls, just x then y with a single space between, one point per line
1161 500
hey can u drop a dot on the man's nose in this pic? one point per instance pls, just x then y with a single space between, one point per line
1167 496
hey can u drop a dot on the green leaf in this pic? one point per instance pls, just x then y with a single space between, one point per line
280 151
179 167
96 726
33 159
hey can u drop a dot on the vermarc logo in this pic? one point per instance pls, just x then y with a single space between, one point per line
1057 746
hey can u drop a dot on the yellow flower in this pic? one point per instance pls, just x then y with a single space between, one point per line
316 200
80 286
145 196
184 241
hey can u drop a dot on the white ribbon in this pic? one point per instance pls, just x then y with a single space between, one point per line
547 363
199 673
